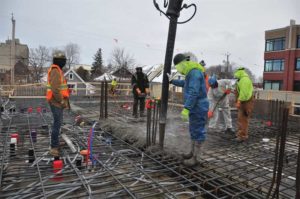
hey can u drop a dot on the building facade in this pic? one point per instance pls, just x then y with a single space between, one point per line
282 58
22 55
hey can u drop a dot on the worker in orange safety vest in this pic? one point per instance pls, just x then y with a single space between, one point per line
57 96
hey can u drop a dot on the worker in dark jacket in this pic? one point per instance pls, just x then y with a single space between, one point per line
140 89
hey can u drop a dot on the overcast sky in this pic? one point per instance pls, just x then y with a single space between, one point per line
220 26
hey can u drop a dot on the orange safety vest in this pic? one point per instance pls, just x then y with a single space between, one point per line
64 90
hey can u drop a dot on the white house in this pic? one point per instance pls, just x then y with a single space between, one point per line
77 84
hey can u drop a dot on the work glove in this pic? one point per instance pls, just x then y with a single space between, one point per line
142 95
210 114
138 91
227 91
147 90
169 78
185 114
64 104
238 104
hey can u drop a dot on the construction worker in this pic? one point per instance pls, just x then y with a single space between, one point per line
57 97
140 89
114 84
195 104
244 103
218 96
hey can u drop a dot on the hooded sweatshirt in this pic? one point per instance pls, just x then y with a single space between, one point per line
194 83
244 85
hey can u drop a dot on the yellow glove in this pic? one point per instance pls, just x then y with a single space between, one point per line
185 114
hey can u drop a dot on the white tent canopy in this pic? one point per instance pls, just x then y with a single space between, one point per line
105 76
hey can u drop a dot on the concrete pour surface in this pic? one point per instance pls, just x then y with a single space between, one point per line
177 137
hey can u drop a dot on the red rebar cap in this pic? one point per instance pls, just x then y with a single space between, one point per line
57 165
15 135
29 110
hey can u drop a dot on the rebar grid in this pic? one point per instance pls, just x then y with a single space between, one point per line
121 170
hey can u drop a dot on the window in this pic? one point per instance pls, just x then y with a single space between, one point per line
275 44
296 86
70 76
297 64
274 65
298 42
272 85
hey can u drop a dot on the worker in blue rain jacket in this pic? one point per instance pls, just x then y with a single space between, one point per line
195 104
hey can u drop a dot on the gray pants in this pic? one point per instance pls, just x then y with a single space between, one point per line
221 119
135 105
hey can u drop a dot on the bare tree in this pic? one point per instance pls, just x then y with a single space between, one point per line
121 59
38 58
220 72
72 54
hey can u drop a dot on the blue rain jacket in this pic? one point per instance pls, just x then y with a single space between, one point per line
195 100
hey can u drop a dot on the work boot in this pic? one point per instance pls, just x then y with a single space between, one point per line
54 152
229 131
239 141
190 154
193 161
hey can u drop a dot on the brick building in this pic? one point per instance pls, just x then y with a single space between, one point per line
282 58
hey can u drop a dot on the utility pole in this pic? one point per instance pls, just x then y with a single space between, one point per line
12 51
227 63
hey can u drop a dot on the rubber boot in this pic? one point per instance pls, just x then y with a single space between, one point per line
190 154
229 133
193 161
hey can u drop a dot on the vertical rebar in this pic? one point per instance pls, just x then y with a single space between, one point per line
276 112
101 100
157 107
148 131
298 174
105 98
278 149
281 151
153 104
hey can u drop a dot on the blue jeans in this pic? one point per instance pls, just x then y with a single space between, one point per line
57 121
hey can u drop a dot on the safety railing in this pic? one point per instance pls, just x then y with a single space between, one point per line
287 96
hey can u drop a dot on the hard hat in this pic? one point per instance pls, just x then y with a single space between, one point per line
58 54
179 58
240 68
212 80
